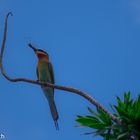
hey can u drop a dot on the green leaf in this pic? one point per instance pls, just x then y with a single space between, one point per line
99 126
122 135
127 110
94 119
85 121
92 112
104 117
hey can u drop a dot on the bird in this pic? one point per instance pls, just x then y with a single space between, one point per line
45 74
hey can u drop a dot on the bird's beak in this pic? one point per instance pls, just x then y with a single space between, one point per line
30 45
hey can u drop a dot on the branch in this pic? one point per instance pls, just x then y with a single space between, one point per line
65 88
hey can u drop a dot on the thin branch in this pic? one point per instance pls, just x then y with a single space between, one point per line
65 88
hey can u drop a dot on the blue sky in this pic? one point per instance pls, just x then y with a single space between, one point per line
93 45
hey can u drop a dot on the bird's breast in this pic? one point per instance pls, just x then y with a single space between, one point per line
43 71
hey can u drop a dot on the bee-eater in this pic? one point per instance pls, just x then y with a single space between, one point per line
45 74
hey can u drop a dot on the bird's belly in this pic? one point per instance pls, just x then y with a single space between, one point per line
44 74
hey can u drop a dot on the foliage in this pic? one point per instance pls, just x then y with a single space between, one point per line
127 110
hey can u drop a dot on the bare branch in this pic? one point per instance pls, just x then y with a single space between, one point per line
65 88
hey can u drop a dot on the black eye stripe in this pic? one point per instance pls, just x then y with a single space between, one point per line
42 51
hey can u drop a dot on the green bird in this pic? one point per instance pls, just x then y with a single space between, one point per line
45 74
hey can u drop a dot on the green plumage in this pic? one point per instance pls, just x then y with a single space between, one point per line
45 74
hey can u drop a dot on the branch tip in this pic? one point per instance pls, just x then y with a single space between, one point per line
9 14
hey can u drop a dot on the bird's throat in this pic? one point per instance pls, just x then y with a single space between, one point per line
42 57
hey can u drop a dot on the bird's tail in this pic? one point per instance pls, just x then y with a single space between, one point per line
54 114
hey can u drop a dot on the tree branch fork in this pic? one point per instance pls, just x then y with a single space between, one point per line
65 88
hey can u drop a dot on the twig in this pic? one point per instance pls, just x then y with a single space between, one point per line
65 88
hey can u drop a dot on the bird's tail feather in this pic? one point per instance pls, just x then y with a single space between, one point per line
54 114
56 125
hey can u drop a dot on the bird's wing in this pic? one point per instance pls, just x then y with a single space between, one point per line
51 72
37 73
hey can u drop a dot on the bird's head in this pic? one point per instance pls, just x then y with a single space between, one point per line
39 53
